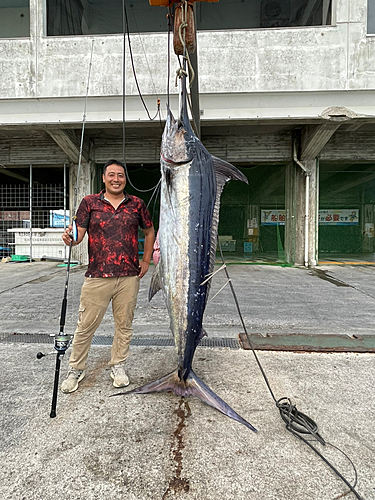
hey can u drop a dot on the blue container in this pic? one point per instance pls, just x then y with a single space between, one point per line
248 246
5 251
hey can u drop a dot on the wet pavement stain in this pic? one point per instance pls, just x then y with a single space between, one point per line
178 483
322 274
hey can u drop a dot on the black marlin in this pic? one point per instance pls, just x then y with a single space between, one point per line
191 186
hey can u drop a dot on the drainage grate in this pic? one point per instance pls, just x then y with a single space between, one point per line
232 343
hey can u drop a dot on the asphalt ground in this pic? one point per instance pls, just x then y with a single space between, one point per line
160 446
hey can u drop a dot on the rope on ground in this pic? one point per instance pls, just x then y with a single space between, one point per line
296 422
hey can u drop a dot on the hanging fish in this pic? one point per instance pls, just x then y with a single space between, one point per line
191 186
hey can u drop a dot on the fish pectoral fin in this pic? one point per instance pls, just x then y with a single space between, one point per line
226 171
155 284
199 389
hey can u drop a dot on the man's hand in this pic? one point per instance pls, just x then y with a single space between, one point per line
147 250
144 268
68 236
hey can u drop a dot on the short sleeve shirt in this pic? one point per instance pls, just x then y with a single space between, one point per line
112 234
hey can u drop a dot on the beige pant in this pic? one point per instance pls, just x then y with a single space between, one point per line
96 294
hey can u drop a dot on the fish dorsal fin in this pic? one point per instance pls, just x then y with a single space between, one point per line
224 172
155 284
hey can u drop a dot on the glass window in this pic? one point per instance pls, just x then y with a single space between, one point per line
245 14
93 17
100 17
371 17
14 18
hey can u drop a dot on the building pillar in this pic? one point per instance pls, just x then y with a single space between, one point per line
301 221
368 228
290 212
78 188
313 218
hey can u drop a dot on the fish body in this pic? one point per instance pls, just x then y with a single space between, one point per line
188 192
191 184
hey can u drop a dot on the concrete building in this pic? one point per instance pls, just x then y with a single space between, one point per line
286 93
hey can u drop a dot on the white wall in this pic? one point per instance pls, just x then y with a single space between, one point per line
335 58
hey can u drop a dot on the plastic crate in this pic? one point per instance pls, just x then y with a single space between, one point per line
20 258
247 246
228 245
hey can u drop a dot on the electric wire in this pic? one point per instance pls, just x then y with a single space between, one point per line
296 422
125 27
144 51
135 74
158 113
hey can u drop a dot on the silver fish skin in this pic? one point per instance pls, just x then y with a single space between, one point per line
188 193
191 185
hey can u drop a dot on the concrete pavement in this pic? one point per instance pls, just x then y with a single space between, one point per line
159 446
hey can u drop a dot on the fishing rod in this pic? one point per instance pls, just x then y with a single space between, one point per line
63 340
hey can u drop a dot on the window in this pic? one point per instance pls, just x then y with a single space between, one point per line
371 17
245 14
14 18
99 17
93 17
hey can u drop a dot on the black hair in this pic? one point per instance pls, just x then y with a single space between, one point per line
114 162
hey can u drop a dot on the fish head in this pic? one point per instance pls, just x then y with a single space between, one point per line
176 142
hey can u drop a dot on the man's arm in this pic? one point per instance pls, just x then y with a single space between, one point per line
147 251
67 238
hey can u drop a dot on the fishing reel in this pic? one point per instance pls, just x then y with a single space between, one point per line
62 344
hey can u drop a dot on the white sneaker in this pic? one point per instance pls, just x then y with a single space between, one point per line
73 377
120 379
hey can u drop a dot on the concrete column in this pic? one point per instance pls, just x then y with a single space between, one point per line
295 207
290 226
290 213
313 219
368 228
295 214
300 196
84 187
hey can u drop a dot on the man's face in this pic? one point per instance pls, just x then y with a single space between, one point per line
114 179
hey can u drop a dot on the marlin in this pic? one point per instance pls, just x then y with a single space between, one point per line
192 181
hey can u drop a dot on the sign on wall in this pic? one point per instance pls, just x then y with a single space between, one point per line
57 218
346 217
331 217
272 217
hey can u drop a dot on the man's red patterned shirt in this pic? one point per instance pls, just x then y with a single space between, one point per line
112 234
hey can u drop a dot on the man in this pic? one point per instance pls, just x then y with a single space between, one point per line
111 220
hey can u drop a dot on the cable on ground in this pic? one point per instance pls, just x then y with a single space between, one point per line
296 422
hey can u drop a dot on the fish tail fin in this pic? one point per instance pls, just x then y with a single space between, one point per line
205 394
166 383
193 386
